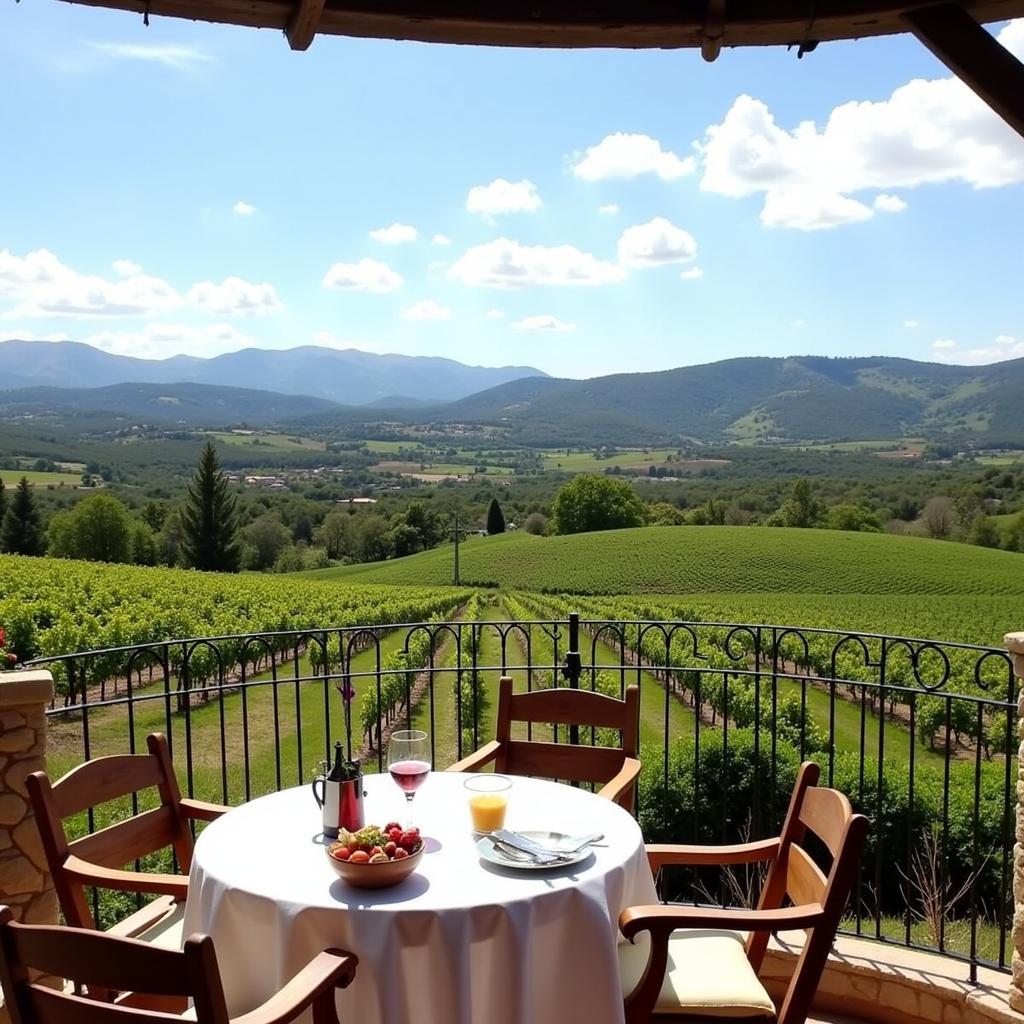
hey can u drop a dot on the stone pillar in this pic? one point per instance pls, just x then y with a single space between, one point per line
1015 645
25 884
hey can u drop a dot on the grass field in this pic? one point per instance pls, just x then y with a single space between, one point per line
390 447
270 442
712 559
10 477
587 462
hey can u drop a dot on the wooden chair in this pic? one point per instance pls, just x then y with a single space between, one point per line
159 980
695 964
99 859
616 768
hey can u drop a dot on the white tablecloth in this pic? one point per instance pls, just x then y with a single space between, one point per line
459 942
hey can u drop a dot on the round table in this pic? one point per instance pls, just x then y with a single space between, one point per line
458 942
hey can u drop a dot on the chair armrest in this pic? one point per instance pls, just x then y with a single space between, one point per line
127 881
201 810
487 753
620 789
661 855
331 969
661 919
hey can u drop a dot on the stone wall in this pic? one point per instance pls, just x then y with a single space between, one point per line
25 884
1015 645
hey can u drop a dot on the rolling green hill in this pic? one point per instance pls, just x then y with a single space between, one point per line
758 399
710 559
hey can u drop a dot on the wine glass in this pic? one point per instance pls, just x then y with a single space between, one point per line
409 762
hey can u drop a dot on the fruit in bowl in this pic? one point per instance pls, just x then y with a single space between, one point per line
373 857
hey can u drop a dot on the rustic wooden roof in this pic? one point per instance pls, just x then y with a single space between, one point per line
571 23
950 29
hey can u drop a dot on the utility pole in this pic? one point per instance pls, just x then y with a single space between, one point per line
457 532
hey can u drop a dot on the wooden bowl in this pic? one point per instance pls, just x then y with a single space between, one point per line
376 876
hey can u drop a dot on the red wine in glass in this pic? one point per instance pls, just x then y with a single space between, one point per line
409 761
409 775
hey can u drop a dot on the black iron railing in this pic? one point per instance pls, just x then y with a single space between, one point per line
918 733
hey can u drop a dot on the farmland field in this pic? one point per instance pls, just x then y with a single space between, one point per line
10 477
587 462
269 443
712 559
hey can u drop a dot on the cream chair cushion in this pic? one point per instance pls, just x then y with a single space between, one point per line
160 922
708 975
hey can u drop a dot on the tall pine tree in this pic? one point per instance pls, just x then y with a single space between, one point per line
208 518
20 533
495 518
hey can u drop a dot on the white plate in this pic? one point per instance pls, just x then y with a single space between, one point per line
487 850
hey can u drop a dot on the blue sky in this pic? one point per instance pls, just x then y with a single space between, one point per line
195 188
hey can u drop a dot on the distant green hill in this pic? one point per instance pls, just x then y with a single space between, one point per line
757 399
710 559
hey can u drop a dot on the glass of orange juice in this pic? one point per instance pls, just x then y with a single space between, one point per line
488 799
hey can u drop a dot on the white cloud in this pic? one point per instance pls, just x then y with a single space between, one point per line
797 323
180 58
157 341
503 196
1004 346
542 322
244 209
495 314
691 273
811 209
235 297
14 334
365 276
927 131
43 286
440 239
427 309
624 155
609 208
656 242
910 324
395 234
507 264
889 203
126 268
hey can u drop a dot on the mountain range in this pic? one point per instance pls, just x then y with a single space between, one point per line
760 399
751 400
348 376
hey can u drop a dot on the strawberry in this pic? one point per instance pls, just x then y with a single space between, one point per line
392 825
395 833
410 840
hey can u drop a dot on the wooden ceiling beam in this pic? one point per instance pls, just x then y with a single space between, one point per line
973 55
304 23
714 30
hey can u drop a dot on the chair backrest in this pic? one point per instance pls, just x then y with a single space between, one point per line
94 960
571 762
98 782
796 878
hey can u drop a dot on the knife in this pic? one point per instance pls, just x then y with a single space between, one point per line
519 842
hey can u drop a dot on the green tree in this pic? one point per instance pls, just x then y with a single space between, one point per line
208 518
664 513
596 503
96 529
263 541
983 532
335 534
852 517
21 533
536 523
143 543
495 518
